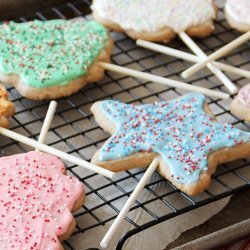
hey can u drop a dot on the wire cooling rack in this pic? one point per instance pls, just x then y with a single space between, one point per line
75 131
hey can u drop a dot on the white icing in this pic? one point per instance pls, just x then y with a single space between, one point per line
239 12
153 15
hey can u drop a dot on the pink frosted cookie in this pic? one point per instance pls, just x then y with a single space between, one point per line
238 14
241 104
36 201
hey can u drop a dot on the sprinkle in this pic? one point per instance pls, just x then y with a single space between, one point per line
179 130
155 15
48 53
22 205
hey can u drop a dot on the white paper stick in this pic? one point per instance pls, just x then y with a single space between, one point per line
218 54
144 180
165 81
221 76
47 121
190 57
56 152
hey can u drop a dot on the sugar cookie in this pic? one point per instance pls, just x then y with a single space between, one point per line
7 108
156 20
237 14
184 132
51 59
241 104
36 202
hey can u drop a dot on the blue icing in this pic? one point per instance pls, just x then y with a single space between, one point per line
179 131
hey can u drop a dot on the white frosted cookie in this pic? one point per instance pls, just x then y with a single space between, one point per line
238 14
156 20
241 104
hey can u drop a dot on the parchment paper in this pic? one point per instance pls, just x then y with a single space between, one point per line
157 237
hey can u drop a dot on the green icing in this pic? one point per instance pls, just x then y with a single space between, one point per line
50 53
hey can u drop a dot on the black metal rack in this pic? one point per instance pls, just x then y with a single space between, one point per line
74 130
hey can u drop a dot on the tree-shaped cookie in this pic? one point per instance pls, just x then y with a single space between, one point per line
51 59
184 132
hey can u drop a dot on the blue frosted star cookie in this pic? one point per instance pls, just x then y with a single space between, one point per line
184 132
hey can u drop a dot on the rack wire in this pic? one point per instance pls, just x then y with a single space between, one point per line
75 131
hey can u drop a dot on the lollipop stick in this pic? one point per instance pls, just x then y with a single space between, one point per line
190 57
218 54
56 152
194 47
164 81
144 180
47 122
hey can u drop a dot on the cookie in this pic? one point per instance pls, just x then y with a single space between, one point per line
7 108
36 201
52 59
184 132
156 20
237 14
240 106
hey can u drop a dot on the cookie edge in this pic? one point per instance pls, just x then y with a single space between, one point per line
163 35
142 159
7 108
94 74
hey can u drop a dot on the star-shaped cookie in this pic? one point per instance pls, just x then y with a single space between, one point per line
184 132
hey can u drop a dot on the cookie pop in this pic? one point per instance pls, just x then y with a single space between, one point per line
156 20
52 59
37 199
181 137
184 132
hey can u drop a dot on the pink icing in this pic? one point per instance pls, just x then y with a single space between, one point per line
244 95
35 201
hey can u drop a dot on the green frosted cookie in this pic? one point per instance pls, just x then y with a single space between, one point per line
53 58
